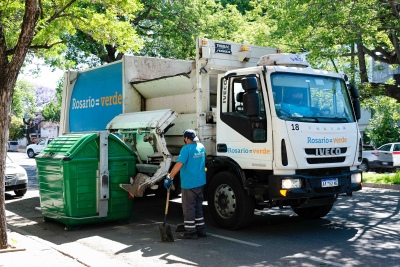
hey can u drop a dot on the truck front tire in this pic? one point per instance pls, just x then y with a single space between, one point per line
229 205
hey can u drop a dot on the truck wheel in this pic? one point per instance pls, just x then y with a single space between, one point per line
30 153
364 166
313 212
229 205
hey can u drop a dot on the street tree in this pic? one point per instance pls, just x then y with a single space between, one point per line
33 26
23 101
52 110
44 95
335 34
17 129
383 126
168 29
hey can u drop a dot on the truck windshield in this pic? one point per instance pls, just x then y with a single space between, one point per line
310 98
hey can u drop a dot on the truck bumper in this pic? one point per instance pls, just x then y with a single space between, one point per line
311 186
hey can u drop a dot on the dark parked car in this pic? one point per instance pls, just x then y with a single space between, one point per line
370 158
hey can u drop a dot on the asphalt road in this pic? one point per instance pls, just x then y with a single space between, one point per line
363 230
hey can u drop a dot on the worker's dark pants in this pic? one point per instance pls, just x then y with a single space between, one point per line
192 205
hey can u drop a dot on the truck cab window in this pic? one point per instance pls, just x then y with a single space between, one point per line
311 98
232 110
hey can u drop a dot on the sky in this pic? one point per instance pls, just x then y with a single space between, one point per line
46 77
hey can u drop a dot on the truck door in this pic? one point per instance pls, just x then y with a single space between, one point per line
242 131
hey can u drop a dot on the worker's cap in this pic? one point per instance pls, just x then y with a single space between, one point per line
191 134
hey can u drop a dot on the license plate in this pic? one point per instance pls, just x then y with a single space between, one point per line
384 163
8 183
331 182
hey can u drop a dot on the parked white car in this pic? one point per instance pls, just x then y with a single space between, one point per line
13 146
389 155
33 149
370 160
16 178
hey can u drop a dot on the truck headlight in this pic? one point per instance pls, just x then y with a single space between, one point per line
356 178
291 183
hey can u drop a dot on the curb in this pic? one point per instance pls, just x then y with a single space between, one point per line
384 186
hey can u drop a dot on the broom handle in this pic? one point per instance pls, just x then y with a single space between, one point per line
166 206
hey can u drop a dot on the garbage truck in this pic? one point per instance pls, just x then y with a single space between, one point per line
264 149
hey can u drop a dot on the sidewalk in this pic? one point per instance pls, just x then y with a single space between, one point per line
36 252
32 251
384 186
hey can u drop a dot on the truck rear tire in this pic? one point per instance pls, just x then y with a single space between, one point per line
229 205
313 212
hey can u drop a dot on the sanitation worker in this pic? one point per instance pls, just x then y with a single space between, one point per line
191 165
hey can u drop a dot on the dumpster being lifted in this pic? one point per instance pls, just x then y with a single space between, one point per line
79 176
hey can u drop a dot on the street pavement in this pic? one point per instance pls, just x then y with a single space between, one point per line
28 249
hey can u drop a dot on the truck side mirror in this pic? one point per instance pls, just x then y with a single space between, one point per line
357 108
249 83
251 99
355 100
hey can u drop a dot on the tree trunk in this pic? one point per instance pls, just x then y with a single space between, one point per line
352 65
5 107
11 60
361 63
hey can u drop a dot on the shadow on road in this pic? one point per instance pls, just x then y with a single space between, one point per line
274 237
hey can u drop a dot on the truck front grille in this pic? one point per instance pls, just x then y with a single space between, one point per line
326 155
325 160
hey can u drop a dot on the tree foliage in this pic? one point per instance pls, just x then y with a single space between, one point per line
335 34
168 29
383 126
52 110
23 101
17 129
44 95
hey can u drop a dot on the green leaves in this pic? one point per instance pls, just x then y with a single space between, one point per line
104 21
383 127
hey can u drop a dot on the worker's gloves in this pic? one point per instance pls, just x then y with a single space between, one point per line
168 182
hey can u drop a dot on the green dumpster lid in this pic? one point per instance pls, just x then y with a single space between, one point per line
78 145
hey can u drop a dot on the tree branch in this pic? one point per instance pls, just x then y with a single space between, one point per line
40 46
31 16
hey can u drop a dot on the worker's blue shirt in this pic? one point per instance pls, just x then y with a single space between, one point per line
192 173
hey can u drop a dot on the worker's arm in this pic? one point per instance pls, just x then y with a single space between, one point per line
175 170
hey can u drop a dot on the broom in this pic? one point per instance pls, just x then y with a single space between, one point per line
165 229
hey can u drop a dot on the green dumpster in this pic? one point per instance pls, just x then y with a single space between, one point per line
79 176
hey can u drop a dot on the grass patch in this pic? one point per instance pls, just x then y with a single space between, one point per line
382 178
